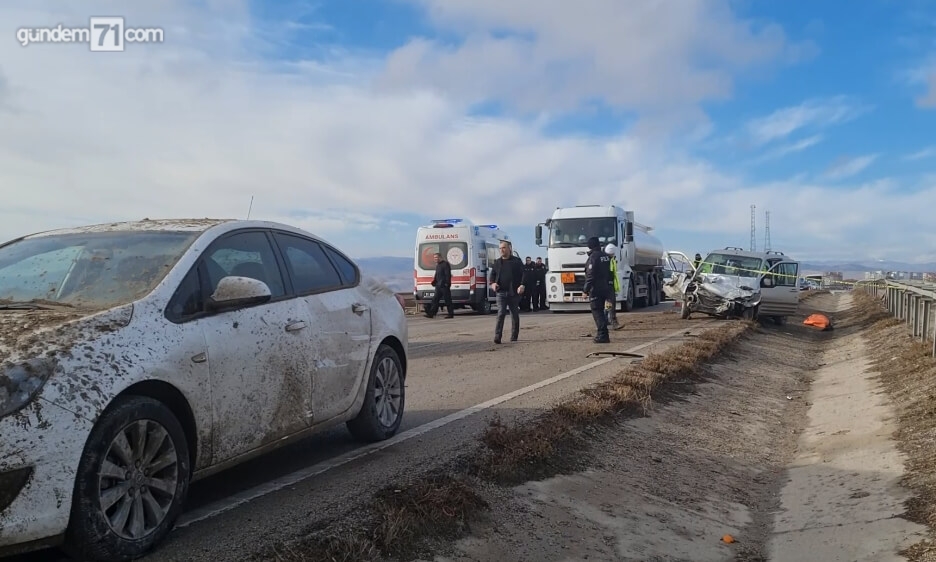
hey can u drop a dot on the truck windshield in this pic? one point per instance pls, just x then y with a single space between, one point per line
456 253
94 270
728 264
573 233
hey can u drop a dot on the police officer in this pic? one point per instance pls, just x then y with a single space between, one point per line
539 298
597 286
529 280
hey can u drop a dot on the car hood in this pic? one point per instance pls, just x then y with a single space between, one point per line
26 334
727 287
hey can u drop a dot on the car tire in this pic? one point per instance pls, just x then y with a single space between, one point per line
92 534
684 312
386 391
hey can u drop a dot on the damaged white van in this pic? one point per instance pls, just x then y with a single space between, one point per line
736 283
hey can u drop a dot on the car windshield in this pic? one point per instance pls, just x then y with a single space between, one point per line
729 264
573 233
93 270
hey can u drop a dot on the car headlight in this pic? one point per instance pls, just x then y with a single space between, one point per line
20 383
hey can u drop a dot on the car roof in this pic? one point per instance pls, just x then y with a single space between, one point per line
174 225
740 252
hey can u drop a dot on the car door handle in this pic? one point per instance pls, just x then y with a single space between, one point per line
358 308
295 326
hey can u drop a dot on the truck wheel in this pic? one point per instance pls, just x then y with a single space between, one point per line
654 295
131 483
629 303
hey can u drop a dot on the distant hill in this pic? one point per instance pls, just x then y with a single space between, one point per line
396 272
869 266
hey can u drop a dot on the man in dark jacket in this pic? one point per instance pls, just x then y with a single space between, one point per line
442 281
597 280
507 282
539 297
528 281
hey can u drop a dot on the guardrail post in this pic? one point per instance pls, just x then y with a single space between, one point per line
927 309
915 315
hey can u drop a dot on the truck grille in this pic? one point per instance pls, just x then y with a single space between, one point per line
573 266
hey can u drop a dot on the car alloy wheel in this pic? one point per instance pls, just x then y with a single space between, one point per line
388 392
138 479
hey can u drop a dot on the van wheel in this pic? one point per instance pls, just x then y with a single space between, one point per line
483 307
132 481
382 411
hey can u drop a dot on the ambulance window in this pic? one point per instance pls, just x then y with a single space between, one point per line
427 254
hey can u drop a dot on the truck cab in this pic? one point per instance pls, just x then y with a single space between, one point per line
639 256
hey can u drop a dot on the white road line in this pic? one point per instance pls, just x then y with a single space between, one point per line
237 500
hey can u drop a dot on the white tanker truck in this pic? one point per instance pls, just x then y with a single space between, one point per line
640 256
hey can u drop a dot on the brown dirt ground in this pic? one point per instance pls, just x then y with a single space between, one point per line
908 372
586 480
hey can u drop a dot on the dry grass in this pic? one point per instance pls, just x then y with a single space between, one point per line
552 443
442 505
908 373
438 506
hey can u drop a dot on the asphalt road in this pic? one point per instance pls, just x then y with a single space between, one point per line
457 378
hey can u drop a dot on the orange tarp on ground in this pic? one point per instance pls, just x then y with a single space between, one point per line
820 321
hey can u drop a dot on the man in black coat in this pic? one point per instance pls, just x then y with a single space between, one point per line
597 280
507 281
539 297
442 281
528 281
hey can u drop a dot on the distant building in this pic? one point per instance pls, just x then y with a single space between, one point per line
874 275
929 277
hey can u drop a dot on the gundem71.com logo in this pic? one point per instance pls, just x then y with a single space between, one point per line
104 33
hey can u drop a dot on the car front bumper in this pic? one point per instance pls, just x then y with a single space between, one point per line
40 447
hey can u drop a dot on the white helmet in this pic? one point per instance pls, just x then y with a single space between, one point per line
611 249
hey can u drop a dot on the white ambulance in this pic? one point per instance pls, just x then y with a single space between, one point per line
469 249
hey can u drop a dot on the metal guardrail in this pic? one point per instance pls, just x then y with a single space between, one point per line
913 302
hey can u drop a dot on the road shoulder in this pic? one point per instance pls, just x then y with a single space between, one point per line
696 479
843 499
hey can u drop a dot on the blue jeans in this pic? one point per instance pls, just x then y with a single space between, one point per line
505 302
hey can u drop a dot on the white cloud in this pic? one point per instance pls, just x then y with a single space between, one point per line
847 167
928 152
791 148
199 124
814 113
539 55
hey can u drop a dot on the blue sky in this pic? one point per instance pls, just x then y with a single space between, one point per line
361 120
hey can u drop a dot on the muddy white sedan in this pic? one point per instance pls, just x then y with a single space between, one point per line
138 357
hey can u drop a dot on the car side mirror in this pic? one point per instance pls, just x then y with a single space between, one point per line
767 282
236 292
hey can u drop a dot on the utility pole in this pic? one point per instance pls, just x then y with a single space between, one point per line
767 233
753 231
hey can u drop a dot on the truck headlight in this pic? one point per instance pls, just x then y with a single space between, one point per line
20 383
552 278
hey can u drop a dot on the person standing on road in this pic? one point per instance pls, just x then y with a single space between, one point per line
442 281
615 285
539 297
528 281
597 286
507 283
